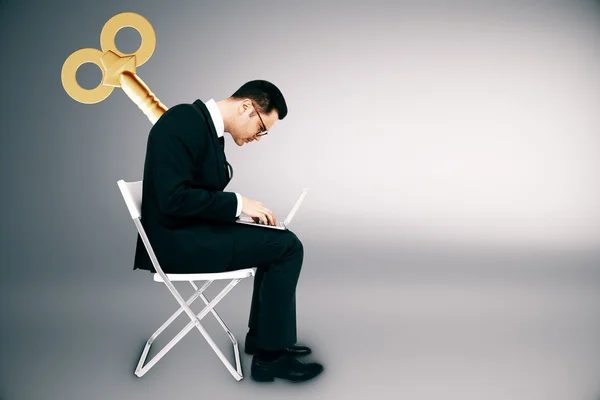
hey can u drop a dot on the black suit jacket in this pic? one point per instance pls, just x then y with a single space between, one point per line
185 212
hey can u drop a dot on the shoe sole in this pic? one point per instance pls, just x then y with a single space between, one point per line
253 353
299 355
271 378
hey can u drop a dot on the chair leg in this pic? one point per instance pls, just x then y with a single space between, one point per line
178 312
140 369
236 373
234 342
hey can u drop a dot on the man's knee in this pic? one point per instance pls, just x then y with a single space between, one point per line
294 244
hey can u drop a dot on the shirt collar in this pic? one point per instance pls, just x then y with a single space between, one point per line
216 116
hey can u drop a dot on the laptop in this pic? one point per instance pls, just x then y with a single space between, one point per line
244 219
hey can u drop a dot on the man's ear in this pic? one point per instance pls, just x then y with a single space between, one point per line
244 106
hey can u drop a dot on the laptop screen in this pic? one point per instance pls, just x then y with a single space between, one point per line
296 206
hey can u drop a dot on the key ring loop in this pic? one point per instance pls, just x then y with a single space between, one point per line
129 20
69 77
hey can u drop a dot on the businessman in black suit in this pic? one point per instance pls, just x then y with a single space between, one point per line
189 219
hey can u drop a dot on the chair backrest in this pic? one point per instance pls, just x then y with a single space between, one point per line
132 194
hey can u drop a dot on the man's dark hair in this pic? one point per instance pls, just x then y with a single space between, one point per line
266 96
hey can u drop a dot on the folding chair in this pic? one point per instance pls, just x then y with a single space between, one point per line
132 194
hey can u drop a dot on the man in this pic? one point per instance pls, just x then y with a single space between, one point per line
188 218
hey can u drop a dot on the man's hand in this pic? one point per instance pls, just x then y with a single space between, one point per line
258 211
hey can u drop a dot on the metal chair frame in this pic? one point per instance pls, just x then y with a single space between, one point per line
132 194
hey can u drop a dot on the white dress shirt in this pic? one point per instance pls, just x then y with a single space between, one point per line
217 119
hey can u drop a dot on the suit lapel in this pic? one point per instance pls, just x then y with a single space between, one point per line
201 107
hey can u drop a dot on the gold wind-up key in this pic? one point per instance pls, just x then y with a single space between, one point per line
118 69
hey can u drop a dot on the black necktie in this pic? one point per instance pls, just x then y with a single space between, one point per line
228 166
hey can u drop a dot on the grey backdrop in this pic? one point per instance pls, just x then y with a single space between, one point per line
451 234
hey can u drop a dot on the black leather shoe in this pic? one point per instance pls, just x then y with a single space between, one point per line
296 351
285 367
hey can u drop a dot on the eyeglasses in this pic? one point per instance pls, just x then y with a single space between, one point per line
264 127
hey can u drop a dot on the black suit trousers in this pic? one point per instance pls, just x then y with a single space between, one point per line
277 256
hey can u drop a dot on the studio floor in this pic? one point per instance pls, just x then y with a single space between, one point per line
417 327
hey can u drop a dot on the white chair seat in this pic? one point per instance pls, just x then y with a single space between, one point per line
238 274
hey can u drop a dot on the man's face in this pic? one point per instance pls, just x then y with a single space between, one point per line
250 124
